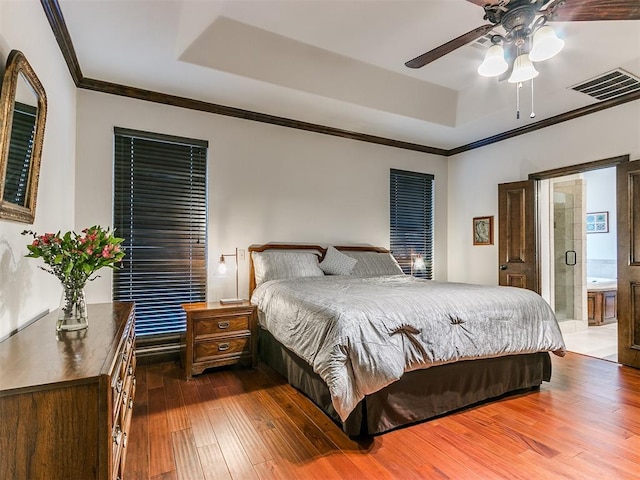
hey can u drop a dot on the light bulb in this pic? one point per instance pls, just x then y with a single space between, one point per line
222 266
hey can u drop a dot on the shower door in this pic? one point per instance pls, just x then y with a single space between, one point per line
569 252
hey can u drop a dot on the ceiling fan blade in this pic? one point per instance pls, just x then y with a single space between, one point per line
481 3
448 47
594 10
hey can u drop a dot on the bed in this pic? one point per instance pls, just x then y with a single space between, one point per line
376 349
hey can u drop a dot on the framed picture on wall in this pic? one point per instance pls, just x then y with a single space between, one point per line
483 231
598 222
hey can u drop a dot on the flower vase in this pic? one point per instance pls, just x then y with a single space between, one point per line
73 309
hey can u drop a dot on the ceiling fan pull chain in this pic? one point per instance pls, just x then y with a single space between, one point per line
518 87
533 114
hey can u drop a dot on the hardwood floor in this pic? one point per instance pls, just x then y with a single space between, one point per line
248 424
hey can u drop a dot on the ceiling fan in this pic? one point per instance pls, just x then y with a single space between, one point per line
520 18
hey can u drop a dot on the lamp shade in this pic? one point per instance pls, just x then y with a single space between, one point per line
494 63
545 44
418 263
523 70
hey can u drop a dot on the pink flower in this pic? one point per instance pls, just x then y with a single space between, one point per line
36 243
106 253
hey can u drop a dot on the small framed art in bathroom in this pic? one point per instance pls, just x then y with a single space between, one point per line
597 222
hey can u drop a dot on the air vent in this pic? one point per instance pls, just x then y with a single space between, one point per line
609 85
484 42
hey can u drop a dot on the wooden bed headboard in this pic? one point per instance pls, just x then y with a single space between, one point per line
302 246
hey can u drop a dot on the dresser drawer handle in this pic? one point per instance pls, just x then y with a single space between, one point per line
117 435
130 403
124 440
223 347
223 325
119 385
130 370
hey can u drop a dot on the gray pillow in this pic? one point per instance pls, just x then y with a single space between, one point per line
374 264
274 265
337 263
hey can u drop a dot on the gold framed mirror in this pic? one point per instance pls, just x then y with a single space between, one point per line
23 111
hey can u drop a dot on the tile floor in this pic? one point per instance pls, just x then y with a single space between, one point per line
600 342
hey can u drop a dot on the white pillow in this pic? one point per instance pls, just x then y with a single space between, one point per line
273 265
374 264
337 263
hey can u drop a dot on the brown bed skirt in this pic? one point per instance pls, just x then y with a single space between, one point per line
418 395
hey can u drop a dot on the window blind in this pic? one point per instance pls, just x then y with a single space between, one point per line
411 219
20 149
160 210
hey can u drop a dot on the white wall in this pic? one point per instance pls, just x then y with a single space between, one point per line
474 177
266 183
601 197
26 291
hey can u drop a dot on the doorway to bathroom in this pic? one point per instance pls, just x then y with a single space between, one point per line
579 233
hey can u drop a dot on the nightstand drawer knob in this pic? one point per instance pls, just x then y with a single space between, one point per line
223 346
223 325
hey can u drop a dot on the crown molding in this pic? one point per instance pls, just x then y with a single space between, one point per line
56 20
61 32
183 102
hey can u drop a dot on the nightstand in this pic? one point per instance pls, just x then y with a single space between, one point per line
218 335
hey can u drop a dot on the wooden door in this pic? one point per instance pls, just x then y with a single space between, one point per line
517 235
628 187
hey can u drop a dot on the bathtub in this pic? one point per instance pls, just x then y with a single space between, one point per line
597 283
602 300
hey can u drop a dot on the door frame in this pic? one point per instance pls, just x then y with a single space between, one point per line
571 170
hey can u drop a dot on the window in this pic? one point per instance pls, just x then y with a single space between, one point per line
411 200
159 207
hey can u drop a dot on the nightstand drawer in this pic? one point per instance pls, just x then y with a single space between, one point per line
223 347
220 325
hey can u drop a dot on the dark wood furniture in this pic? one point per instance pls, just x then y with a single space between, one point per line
417 395
602 306
218 335
66 400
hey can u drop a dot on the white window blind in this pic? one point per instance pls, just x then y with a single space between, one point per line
411 219
160 210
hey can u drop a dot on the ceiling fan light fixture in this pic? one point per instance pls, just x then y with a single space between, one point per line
494 63
546 44
523 70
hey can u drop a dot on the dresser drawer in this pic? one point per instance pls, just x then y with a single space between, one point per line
223 347
218 325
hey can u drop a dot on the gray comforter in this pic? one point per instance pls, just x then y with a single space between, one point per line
361 334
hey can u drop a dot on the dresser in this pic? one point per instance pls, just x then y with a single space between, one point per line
218 335
66 398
